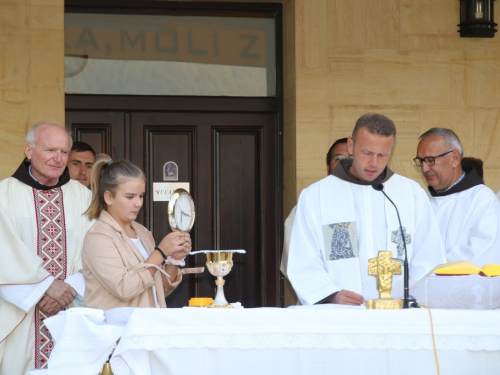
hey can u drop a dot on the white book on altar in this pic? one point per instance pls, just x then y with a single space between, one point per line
459 291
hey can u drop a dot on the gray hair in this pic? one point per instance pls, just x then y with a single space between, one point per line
32 133
375 124
450 138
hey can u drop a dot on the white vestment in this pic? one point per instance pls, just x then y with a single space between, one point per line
313 270
23 276
286 240
470 225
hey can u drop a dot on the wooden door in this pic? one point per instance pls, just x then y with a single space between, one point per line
103 130
231 160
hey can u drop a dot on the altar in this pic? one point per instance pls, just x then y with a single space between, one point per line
326 339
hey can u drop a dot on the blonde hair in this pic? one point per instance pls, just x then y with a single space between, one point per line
108 175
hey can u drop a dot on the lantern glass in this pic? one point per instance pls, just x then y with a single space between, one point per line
476 19
479 14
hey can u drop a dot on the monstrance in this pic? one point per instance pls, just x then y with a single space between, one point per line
181 214
181 211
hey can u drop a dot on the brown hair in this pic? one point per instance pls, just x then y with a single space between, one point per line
375 124
107 175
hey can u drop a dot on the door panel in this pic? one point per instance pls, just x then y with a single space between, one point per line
223 158
104 131
238 185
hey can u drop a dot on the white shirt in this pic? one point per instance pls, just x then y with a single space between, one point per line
137 242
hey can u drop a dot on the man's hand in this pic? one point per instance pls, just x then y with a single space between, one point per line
346 297
61 292
49 306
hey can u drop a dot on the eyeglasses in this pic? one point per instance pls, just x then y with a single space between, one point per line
340 157
429 160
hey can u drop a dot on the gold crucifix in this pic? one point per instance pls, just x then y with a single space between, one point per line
383 268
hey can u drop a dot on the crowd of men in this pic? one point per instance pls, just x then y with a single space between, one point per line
339 223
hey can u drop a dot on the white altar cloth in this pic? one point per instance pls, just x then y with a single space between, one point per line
307 341
325 339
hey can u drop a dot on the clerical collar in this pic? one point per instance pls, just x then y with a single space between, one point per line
24 175
453 184
34 178
469 179
342 171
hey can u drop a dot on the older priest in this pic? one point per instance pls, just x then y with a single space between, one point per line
468 212
342 222
41 231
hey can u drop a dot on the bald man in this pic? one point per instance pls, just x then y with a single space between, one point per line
42 227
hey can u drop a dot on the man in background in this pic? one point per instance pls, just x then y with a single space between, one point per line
337 152
80 162
42 227
468 212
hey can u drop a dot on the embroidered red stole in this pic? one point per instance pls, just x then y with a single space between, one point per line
51 247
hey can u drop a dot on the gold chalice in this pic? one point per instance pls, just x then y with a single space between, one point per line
219 264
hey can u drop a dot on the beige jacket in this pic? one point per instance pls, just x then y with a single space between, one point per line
114 270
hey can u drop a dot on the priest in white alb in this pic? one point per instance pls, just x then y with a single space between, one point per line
337 152
468 212
42 227
342 222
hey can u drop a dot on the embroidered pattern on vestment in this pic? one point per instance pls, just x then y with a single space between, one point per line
397 238
342 241
51 247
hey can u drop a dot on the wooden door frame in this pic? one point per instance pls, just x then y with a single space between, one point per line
205 104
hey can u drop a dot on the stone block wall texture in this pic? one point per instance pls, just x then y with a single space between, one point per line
31 72
401 58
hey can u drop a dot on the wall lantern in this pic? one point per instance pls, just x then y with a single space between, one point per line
476 19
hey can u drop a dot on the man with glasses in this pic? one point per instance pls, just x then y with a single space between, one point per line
342 222
337 152
467 211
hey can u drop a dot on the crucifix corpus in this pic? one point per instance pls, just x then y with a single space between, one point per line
383 268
